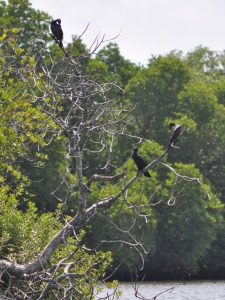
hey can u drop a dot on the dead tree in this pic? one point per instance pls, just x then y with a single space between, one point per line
89 120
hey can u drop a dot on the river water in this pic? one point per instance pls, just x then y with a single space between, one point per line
182 290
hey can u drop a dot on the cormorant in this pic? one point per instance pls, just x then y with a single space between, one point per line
140 162
175 133
57 32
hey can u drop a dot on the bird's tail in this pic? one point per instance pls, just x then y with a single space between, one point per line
60 44
147 174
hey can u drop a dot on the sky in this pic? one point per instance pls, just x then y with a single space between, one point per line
144 27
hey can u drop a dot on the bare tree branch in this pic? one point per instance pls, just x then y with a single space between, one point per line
97 177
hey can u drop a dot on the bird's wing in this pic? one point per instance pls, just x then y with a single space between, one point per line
143 162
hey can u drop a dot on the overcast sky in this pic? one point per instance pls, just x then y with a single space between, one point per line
145 27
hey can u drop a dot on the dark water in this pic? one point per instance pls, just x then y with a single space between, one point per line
182 290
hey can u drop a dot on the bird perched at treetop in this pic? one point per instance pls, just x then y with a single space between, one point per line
140 162
176 130
57 32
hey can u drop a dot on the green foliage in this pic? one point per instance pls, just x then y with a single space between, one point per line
198 100
173 209
93 264
22 135
46 179
24 234
204 63
173 90
33 25
154 91
187 222
119 68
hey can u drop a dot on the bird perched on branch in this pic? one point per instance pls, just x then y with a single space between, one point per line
176 130
140 162
57 32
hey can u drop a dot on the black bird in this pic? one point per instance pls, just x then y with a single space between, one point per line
57 32
175 133
140 162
